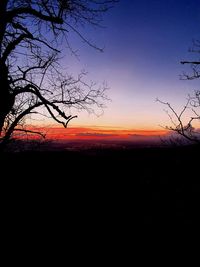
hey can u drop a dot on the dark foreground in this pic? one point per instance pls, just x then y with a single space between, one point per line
138 185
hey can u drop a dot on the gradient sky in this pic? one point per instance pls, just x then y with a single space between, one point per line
144 41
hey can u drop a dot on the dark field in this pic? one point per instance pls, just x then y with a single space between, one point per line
136 185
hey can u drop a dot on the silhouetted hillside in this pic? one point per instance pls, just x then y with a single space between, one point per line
147 185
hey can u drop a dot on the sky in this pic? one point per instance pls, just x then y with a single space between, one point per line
144 42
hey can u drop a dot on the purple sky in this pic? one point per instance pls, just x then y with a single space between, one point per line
144 41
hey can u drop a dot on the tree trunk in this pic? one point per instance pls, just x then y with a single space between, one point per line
6 96
3 21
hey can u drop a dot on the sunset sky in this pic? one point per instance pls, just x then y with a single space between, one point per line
144 42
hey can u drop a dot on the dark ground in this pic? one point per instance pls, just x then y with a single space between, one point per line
135 185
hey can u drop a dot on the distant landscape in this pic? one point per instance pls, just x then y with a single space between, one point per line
142 182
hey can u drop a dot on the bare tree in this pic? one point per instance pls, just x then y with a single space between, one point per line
186 123
31 37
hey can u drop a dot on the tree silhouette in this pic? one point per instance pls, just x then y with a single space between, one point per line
182 122
31 37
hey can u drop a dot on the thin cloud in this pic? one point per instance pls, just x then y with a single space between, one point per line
96 135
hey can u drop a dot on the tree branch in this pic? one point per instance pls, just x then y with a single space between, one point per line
30 11
30 88
11 46
190 62
30 131
10 130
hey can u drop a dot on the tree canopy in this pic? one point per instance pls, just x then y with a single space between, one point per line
31 37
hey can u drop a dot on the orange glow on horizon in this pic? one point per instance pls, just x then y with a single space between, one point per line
91 133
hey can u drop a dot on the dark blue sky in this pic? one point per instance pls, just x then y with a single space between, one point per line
144 41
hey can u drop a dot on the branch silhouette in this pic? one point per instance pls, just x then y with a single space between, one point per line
31 77
185 122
